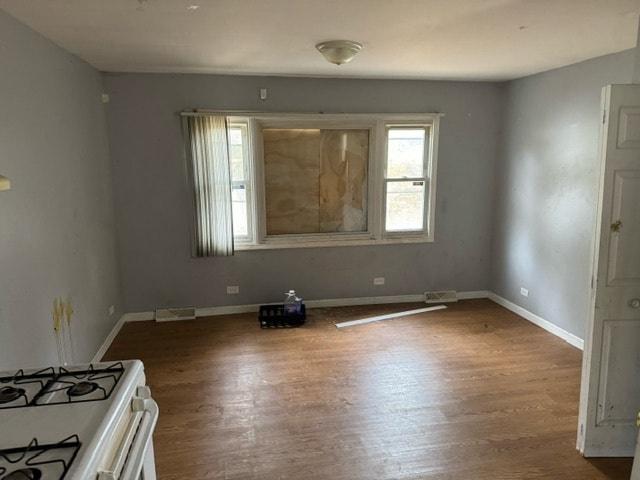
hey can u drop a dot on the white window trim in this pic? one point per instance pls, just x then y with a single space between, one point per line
429 177
377 123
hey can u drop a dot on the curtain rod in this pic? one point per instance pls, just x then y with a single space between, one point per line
231 113
201 112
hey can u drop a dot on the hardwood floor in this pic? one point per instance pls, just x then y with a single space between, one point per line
470 392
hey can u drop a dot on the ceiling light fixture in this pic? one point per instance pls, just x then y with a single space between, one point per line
339 51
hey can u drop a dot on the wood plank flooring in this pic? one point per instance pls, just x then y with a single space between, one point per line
470 392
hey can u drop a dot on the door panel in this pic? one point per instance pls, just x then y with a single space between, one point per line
629 131
617 399
624 254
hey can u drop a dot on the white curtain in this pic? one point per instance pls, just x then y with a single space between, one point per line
212 186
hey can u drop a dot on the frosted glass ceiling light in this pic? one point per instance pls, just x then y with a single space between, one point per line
339 51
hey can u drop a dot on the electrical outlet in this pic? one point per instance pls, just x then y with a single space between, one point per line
378 280
112 309
524 292
233 289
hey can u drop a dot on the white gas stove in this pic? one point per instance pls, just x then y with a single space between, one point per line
77 423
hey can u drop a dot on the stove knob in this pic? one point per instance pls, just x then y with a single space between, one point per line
143 392
137 404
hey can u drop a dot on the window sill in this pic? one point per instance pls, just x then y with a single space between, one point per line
288 244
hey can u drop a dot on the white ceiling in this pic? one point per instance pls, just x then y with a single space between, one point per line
434 39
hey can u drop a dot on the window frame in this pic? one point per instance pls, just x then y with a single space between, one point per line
427 175
378 126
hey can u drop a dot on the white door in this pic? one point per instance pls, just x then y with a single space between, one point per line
635 470
610 392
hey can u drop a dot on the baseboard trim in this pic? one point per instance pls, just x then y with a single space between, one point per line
335 302
228 310
332 302
139 317
473 295
345 302
570 338
110 338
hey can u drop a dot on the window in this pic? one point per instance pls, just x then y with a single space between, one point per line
320 179
405 179
240 175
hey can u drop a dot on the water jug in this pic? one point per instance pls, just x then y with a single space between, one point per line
292 303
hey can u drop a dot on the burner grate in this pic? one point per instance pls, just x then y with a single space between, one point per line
48 461
66 385
87 385
19 389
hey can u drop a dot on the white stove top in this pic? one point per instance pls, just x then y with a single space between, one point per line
78 411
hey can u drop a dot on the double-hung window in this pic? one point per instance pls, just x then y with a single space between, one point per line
407 176
241 198
300 180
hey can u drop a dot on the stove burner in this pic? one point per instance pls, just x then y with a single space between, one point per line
24 474
9 394
34 461
51 386
81 388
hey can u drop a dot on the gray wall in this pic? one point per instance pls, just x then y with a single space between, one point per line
152 202
56 223
547 185
57 228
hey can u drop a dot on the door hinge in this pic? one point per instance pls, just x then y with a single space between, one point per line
604 117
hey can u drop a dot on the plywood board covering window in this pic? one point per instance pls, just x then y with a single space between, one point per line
315 180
